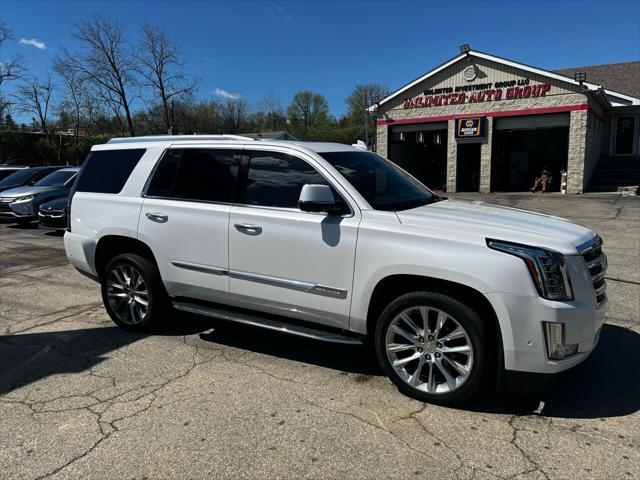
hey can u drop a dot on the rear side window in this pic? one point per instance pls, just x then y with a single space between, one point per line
107 171
276 179
200 174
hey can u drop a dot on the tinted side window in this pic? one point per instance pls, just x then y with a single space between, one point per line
276 179
196 174
107 171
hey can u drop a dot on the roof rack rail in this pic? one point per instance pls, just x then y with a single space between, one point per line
177 138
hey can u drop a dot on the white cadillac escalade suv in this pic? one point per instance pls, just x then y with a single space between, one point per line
334 243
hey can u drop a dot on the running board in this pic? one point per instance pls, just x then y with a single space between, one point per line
267 323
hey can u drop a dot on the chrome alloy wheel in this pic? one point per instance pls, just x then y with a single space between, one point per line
127 294
429 350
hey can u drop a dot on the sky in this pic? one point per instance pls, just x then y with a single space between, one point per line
245 49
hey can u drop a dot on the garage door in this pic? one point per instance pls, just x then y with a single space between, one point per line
530 122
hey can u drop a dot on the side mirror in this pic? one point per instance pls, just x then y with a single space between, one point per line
317 198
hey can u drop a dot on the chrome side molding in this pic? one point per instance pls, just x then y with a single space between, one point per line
307 287
201 268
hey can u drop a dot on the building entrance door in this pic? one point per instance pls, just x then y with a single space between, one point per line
468 167
625 128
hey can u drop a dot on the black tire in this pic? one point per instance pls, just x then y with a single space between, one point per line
465 317
157 298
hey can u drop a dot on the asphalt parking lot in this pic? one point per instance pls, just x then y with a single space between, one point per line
80 398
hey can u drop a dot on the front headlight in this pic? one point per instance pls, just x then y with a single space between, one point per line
24 198
547 268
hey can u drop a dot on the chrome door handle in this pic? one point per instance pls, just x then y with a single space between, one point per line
157 217
248 228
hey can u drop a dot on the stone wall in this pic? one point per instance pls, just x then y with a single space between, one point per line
577 151
382 140
452 157
485 159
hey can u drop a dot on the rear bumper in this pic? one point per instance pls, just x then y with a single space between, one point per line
81 253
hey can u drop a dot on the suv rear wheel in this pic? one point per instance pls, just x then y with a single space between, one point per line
432 347
133 293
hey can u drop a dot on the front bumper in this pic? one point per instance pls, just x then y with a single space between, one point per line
521 324
55 220
17 210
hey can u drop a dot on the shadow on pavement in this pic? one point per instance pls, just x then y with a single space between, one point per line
30 357
347 358
606 385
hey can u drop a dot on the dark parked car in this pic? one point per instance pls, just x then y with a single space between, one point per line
6 171
53 214
21 204
26 176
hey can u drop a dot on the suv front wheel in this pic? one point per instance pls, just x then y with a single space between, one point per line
133 293
432 347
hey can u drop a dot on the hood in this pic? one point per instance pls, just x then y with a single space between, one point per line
31 190
58 203
476 221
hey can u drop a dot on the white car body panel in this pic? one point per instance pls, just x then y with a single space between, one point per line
188 261
294 246
352 254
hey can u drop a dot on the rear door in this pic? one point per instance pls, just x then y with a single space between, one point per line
185 219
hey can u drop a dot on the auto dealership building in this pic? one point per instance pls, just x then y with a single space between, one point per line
483 123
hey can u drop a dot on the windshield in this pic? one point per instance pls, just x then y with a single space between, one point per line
56 179
380 182
6 173
17 178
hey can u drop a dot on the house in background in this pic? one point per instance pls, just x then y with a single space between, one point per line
283 135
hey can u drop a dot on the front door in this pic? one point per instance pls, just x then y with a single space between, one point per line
185 220
283 260
625 130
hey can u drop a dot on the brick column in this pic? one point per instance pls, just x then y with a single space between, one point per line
452 156
485 159
577 151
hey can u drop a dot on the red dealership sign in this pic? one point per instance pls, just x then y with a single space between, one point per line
487 95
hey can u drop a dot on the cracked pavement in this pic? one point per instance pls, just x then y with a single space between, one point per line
80 398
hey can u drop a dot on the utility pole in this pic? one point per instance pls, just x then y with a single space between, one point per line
366 120
172 128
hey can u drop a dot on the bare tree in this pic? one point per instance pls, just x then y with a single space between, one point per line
34 96
234 115
160 64
11 68
270 112
363 96
75 94
104 61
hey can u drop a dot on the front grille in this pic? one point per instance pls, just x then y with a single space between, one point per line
596 263
51 213
4 207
